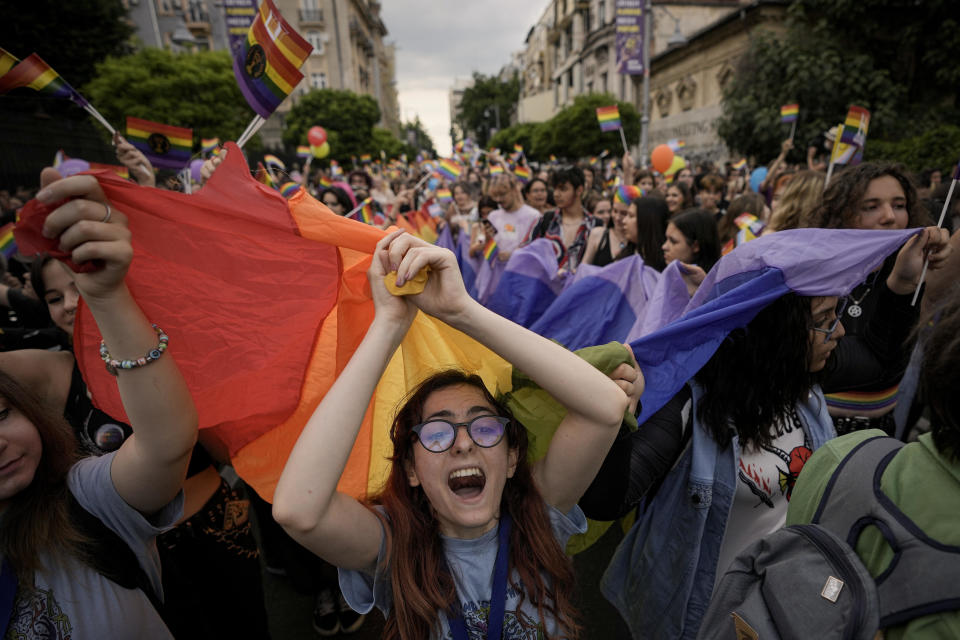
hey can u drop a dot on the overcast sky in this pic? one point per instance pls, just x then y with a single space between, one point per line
440 40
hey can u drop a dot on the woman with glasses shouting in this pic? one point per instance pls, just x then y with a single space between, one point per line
467 536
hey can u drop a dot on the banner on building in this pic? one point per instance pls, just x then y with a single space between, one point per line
239 17
630 36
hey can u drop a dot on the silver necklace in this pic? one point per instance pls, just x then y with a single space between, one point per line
854 310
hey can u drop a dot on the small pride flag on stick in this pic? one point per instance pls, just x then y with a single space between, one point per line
449 169
490 250
790 113
267 64
166 146
609 119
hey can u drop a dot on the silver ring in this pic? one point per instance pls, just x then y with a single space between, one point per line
106 217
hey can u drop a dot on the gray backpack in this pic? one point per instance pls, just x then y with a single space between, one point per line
806 581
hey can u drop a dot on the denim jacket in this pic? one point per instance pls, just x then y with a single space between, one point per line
661 577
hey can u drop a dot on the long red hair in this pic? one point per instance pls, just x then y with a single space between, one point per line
421 583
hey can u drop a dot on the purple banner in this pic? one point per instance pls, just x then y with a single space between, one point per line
630 36
239 16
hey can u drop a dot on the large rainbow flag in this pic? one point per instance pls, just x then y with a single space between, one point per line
255 386
267 64
165 145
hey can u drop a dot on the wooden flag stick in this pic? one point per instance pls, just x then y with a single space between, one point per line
623 139
926 261
793 129
89 108
255 125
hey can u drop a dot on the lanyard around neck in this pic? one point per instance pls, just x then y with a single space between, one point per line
498 598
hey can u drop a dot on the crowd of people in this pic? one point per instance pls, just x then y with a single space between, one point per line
133 529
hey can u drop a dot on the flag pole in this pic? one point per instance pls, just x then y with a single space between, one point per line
943 214
305 178
793 129
623 139
255 125
353 211
89 108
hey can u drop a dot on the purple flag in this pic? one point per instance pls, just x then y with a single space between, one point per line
529 283
809 262
667 302
601 305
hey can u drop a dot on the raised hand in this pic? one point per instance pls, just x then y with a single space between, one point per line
444 296
933 243
89 229
134 160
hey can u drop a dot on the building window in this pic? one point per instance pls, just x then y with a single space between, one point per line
310 5
603 83
165 7
590 87
623 87
316 40
601 13
556 93
318 80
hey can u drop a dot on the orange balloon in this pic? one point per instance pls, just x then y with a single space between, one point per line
661 158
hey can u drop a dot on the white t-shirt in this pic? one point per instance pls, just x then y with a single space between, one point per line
72 601
512 227
765 479
471 563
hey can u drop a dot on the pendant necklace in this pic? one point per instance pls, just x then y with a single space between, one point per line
854 310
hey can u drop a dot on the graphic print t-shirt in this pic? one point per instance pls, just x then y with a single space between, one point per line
471 562
71 601
765 479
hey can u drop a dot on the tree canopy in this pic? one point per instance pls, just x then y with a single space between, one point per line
477 113
415 136
894 57
196 90
348 118
575 133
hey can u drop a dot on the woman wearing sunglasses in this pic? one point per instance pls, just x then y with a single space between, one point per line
466 535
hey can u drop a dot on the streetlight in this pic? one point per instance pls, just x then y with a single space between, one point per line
676 40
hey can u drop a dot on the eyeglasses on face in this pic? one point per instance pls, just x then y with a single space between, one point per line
828 331
439 435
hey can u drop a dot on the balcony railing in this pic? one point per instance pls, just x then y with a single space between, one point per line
311 15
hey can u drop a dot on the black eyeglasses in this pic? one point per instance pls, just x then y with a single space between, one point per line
841 306
439 435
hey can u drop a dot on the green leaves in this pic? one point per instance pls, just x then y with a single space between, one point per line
196 90
479 107
349 119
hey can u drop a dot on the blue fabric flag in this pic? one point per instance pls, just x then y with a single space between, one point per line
600 305
529 283
809 262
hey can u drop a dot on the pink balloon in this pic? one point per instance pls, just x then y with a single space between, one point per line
317 136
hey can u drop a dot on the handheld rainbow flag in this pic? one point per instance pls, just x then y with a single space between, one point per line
267 64
490 250
335 169
553 158
627 193
609 118
495 169
676 144
741 164
303 151
855 126
207 145
287 189
166 146
522 173
325 181
789 112
263 176
36 74
8 246
273 161
365 158
444 196
449 169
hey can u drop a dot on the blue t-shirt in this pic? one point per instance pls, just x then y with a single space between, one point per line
471 563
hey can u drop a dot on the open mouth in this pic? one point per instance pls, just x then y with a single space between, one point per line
467 483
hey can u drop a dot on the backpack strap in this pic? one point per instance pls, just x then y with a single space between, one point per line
107 553
921 577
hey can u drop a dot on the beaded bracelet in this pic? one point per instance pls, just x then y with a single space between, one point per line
114 365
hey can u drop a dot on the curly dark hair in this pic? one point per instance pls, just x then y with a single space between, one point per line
759 373
938 377
839 207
